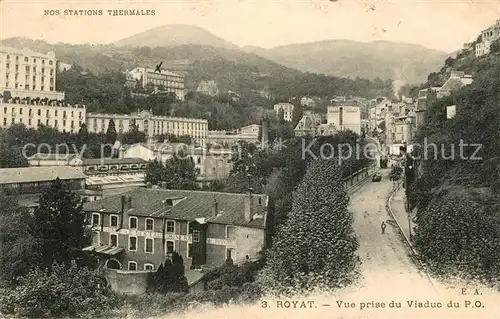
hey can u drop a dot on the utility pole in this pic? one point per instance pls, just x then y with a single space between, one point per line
408 167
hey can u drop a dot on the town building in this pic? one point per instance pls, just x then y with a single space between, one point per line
376 114
151 125
307 101
286 108
213 163
26 73
34 113
249 134
488 36
28 183
106 173
208 88
51 159
164 81
311 124
346 116
138 230
61 67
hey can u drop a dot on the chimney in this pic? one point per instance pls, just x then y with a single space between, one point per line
249 211
215 208
123 211
265 133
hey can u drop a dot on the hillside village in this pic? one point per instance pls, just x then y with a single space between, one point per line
187 182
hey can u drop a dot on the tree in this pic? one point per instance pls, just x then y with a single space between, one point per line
169 277
316 245
180 172
83 135
111 134
133 136
17 246
459 232
298 112
59 226
155 173
62 292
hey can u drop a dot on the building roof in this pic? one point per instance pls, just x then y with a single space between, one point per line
39 174
26 52
195 204
109 161
52 157
452 84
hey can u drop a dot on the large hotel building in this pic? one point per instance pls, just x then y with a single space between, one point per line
25 73
163 81
150 124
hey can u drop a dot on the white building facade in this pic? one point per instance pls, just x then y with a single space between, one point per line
25 73
150 124
62 116
488 36
287 109
345 117
170 82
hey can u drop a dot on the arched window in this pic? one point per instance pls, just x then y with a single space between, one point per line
149 267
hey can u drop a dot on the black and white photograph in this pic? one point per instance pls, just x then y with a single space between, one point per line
250 159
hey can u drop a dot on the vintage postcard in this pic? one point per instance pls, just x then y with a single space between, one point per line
250 159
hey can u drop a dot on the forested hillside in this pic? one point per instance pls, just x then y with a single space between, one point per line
458 194
231 69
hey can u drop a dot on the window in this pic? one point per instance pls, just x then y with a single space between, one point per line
170 247
132 243
133 222
196 236
113 221
95 219
113 240
132 265
149 245
150 224
149 267
230 232
190 250
170 226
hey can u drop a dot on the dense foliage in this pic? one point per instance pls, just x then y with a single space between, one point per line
316 247
43 271
17 246
69 292
224 285
169 277
18 142
178 172
58 226
457 232
469 234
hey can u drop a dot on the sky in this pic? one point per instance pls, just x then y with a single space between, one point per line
443 25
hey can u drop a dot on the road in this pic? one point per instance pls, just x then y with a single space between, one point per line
386 264
388 273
